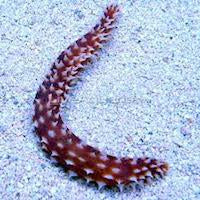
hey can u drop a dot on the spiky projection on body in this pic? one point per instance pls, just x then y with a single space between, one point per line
59 141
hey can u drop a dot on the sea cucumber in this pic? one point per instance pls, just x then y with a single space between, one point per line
59 141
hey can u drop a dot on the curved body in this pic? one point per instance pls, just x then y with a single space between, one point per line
59 141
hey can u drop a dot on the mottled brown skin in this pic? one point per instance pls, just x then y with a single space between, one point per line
60 142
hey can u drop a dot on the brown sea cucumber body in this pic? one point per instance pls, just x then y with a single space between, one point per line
59 141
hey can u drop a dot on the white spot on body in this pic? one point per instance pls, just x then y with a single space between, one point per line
71 153
90 48
44 147
51 79
83 40
94 38
56 115
148 173
99 45
80 145
118 161
67 87
44 140
64 73
76 47
49 113
160 164
69 78
82 49
41 119
136 171
80 66
73 72
51 89
51 133
147 161
36 123
48 105
54 123
59 92
60 145
63 131
101 165
40 107
142 177
65 58
37 101
50 96
69 162
144 169
92 154
69 141
59 65
103 157
133 178
134 162
108 176
61 84
43 88
68 52
89 171
115 170
153 166
54 153
81 159
70 62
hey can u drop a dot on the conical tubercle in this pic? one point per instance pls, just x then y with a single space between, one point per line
59 141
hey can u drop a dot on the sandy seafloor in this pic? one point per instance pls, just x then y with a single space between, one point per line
140 97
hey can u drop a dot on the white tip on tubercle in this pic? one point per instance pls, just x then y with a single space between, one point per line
71 62
53 160
41 120
133 178
88 171
59 92
36 123
83 40
100 184
48 105
69 162
75 46
51 79
72 174
44 140
44 147
54 123
121 187
54 153
49 113
148 173
59 65
82 49
68 52
61 84
56 115
108 176
65 58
